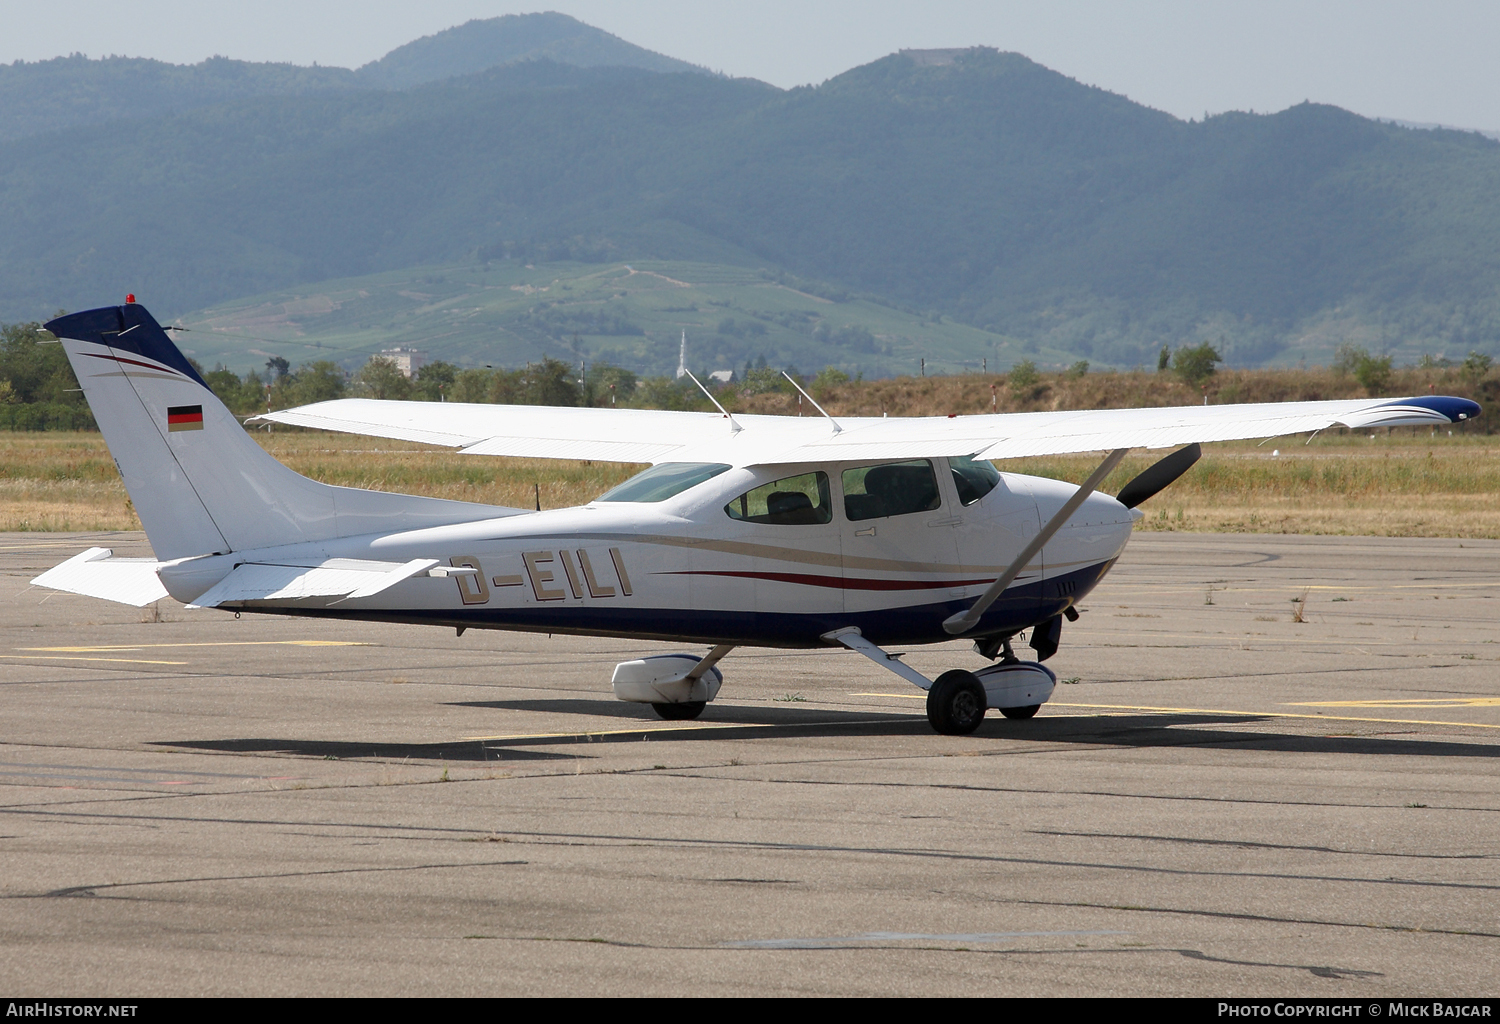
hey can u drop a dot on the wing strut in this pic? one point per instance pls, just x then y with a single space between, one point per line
710 659
966 620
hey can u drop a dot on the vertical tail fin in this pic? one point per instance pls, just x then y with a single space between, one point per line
199 482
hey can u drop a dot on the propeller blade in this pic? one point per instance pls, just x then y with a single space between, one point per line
1158 477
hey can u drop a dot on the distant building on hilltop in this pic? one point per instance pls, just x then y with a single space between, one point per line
407 360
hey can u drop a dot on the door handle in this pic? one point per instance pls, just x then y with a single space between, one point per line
950 521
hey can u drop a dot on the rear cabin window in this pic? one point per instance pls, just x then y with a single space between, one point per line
792 501
664 481
895 489
974 478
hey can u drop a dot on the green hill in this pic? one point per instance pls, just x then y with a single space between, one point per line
479 45
73 92
969 183
633 315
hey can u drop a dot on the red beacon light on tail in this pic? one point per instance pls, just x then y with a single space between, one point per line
130 299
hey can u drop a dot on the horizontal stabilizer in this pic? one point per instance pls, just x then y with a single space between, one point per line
94 573
342 578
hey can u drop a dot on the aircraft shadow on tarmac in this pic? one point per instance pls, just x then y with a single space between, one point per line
352 750
741 723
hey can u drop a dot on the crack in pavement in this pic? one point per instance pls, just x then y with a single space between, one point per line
90 890
1266 918
1247 844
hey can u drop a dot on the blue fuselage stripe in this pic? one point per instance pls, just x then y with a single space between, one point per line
1019 608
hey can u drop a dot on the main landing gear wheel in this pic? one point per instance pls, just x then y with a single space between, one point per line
955 704
1027 712
681 712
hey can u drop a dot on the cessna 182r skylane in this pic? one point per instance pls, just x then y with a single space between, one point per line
746 530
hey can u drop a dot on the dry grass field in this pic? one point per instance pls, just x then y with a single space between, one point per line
1416 483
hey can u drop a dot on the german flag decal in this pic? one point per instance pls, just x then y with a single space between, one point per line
184 417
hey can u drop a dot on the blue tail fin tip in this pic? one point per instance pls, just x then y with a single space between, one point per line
130 328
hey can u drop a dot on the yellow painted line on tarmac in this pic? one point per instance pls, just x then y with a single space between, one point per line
39 545
227 643
1222 711
1275 714
1227 588
604 732
652 730
62 657
1144 633
1426 702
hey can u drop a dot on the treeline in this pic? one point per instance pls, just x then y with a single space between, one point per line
548 382
38 390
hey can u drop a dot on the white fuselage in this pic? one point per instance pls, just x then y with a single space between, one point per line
684 569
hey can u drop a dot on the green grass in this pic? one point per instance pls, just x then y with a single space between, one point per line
1401 483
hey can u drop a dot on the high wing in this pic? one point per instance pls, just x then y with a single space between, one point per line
637 435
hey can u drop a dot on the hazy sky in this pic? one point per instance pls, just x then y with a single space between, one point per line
1430 61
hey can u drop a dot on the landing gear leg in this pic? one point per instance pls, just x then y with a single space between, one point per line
955 703
992 647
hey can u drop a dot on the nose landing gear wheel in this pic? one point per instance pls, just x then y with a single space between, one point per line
1026 712
955 704
681 712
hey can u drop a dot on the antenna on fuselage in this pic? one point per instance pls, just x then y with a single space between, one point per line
735 427
682 359
836 428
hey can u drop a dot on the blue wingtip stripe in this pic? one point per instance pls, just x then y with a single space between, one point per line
1455 409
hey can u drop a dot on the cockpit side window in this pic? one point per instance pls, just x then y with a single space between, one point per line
895 489
974 478
792 501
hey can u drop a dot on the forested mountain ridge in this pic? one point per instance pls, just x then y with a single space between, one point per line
1022 201
973 183
479 45
75 91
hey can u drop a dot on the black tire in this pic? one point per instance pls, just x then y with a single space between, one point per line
681 712
1028 711
955 704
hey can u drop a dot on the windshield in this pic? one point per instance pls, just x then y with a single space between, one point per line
664 481
973 477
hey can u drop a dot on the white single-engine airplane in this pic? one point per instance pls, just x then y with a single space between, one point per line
746 530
